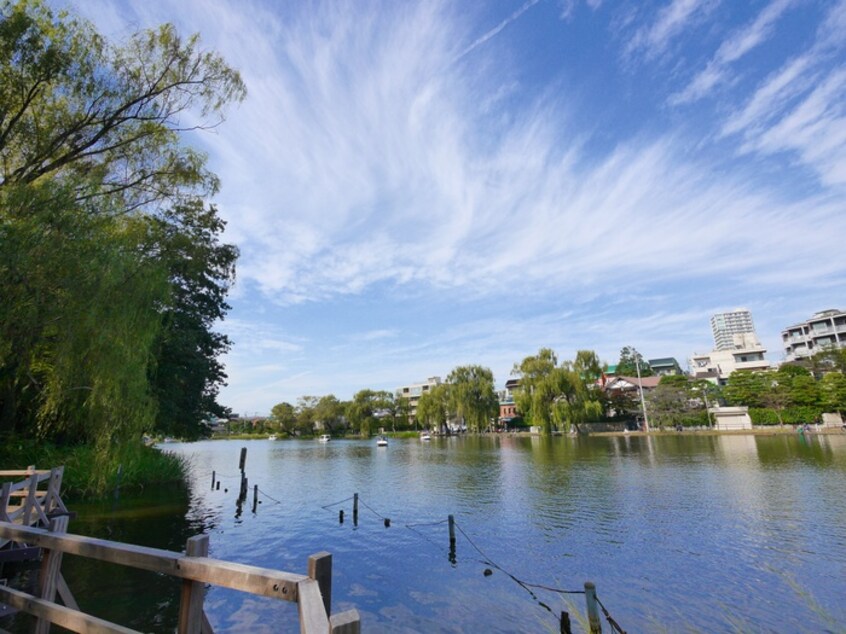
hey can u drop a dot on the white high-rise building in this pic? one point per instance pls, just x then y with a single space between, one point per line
734 330
736 347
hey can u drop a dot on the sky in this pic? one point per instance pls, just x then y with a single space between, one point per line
415 186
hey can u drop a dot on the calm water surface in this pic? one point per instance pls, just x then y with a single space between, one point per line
703 534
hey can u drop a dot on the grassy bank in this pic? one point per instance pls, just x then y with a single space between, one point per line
91 476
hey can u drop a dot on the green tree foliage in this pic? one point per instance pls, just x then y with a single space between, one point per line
284 416
399 410
747 388
433 406
366 404
536 392
629 361
565 395
576 401
472 396
187 374
99 200
668 403
306 414
832 389
329 412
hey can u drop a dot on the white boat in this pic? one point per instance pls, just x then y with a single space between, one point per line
425 437
381 441
272 437
325 438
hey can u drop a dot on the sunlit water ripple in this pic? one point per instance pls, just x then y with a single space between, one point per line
711 534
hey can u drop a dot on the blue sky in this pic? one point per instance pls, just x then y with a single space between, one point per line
416 186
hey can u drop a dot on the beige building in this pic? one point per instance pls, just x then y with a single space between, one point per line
826 330
413 393
736 347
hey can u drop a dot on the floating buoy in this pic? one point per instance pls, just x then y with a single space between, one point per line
488 572
387 523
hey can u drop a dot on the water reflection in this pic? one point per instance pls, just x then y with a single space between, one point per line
656 522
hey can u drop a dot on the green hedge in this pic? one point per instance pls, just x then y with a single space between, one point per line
789 416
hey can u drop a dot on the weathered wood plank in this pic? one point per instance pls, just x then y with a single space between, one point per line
320 569
60 615
261 581
191 602
313 618
348 622
18 554
65 594
6 473
51 566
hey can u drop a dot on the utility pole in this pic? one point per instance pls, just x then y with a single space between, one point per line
640 386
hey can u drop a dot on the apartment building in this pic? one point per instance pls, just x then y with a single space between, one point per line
736 347
727 327
824 331
413 393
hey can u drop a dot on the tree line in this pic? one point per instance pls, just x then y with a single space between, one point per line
112 268
550 395
566 395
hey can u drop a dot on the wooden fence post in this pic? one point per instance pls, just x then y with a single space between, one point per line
592 608
320 569
348 622
51 565
31 499
191 602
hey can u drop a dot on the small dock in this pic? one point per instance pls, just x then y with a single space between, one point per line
33 525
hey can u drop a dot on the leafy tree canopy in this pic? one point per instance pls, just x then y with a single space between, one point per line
111 271
629 361
472 395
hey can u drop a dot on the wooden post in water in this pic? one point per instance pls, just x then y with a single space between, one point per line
255 498
451 520
348 622
355 509
592 608
320 569
565 623
213 478
191 600
242 463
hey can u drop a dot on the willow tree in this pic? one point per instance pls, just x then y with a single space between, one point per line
563 395
91 153
472 396
433 406
536 393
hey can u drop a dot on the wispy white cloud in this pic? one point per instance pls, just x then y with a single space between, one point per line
732 49
366 157
652 39
799 109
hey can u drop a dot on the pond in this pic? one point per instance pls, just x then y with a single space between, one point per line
679 533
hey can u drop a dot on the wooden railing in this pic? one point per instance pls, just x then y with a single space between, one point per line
311 592
27 501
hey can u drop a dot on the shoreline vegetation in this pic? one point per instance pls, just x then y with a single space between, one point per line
132 468
87 477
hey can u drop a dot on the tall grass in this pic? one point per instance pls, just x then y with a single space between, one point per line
92 474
